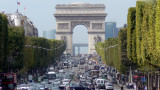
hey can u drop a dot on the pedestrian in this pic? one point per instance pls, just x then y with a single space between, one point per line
139 88
122 87
145 88
135 87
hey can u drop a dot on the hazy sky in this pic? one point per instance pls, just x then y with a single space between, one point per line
41 12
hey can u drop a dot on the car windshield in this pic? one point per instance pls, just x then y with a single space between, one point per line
102 81
110 85
65 81
55 85
88 80
65 64
98 81
51 76
73 84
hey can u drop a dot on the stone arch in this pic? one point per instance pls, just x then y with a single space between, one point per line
75 23
92 16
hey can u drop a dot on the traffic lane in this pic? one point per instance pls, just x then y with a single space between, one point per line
116 87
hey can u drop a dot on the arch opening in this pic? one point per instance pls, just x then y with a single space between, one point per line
80 39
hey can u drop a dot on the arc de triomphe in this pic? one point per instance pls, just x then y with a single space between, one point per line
92 16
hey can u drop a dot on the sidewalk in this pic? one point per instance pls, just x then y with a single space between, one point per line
124 86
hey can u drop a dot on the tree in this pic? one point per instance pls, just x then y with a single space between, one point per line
139 19
3 42
16 40
131 22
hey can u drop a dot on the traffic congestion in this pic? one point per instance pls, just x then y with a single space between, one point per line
81 72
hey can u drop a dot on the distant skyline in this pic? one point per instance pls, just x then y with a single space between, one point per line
41 12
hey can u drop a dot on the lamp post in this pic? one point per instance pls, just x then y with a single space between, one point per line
130 75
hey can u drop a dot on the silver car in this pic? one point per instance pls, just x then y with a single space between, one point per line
109 86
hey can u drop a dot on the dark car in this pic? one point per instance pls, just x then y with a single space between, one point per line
62 87
75 86
101 86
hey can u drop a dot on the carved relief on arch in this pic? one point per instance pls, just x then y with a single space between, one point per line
96 26
63 26
64 38
85 23
97 39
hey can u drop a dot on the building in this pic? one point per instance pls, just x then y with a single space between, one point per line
17 19
111 31
51 34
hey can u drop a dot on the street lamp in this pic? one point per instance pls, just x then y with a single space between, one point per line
130 75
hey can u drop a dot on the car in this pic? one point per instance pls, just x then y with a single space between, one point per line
76 86
48 86
17 88
100 83
41 87
32 87
77 69
89 77
65 81
55 87
62 87
89 81
109 86
24 87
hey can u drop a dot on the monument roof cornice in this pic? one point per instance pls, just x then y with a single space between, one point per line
93 14
79 5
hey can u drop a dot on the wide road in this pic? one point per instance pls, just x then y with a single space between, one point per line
80 68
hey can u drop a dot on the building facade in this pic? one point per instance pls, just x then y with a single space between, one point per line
111 31
51 34
17 19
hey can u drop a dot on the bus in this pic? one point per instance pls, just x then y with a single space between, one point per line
8 81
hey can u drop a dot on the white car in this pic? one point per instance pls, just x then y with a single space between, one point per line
65 81
109 86
24 86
